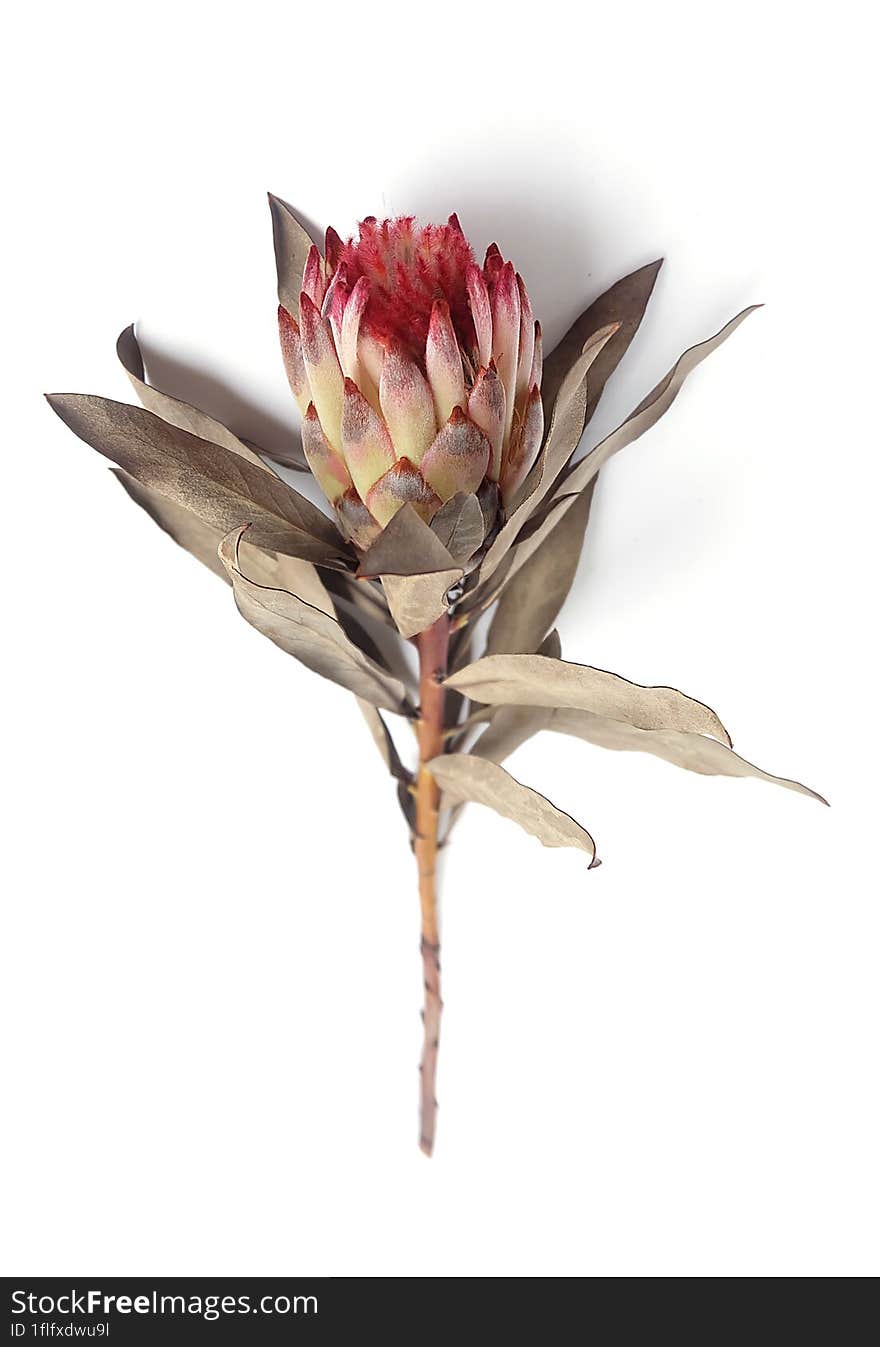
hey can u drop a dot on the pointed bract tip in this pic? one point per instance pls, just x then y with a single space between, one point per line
332 247
311 412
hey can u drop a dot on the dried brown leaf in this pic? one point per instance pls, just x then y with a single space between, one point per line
417 601
292 245
407 546
649 410
218 486
416 571
187 530
624 303
459 524
512 726
202 541
464 778
310 635
534 593
563 437
693 752
177 413
536 680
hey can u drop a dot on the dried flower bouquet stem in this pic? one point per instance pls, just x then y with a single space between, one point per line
433 648
446 447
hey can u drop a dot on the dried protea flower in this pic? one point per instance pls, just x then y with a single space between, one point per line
417 372
424 405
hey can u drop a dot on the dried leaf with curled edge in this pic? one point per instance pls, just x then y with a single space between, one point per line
533 594
693 752
563 437
466 779
176 412
624 303
292 245
649 410
460 525
218 486
536 680
502 742
310 635
513 725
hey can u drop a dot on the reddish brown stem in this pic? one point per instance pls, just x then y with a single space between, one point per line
433 646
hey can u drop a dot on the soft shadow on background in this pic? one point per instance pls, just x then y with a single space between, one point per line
245 416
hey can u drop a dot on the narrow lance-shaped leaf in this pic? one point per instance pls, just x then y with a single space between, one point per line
536 680
202 542
219 486
624 303
563 437
531 599
541 528
581 474
463 778
383 741
310 635
292 248
267 568
512 726
567 422
693 752
649 410
171 409
187 530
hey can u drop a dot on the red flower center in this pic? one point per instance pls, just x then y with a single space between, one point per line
408 267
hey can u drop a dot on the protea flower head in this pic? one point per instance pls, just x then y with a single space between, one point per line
417 372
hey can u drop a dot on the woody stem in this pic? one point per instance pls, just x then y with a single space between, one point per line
433 646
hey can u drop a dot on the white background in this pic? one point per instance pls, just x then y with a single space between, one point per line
666 1066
